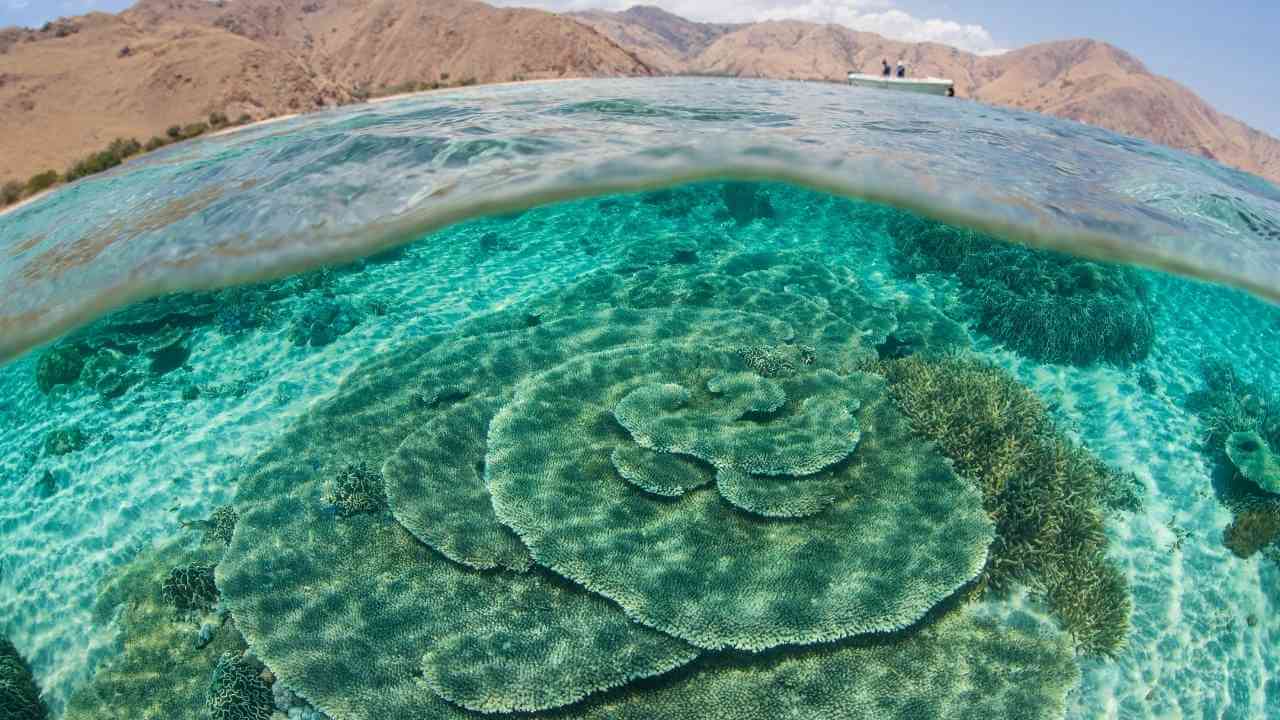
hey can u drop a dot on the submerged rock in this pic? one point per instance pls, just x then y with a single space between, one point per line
324 322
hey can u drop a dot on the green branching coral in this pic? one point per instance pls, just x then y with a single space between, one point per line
356 489
191 587
1042 491
903 533
236 692
19 694
1048 306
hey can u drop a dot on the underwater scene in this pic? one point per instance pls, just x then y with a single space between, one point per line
364 416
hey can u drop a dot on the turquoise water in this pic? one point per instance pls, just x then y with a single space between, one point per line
516 406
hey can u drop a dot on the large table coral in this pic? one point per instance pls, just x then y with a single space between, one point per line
534 556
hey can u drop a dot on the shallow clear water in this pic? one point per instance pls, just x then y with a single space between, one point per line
454 486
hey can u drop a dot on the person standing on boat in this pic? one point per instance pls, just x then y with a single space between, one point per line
887 71
902 69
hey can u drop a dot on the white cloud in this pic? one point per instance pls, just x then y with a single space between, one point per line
19 4
877 16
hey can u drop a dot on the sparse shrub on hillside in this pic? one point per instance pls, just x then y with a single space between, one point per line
155 143
467 82
195 130
11 193
217 120
41 182
244 119
122 148
174 132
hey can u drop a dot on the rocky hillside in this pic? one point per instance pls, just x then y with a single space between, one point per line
1083 80
70 88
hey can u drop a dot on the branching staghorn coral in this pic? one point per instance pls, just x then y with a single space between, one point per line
19 694
1048 306
1042 491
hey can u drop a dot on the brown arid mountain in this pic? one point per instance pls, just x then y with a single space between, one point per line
69 89
73 86
1083 80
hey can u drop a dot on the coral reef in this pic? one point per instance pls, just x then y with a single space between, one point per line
1252 530
1251 456
435 482
221 525
161 667
191 587
236 692
1043 492
19 694
1241 426
658 473
550 473
356 489
323 322
499 445
63 441
1048 306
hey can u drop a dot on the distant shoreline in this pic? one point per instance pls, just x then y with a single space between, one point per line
281 118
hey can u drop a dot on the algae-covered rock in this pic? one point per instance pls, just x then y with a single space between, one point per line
903 534
323 322
1251 456
19 694
59 365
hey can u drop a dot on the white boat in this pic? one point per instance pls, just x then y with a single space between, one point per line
928 86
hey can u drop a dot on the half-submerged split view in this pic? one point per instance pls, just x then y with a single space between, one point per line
657 398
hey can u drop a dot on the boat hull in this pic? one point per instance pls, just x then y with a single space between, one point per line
926 86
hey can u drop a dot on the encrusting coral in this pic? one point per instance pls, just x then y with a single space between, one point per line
1242 429
191 587
1042 491
1051 307
356 489
162 662
236 692
19 694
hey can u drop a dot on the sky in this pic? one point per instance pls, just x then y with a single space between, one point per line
1224 51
